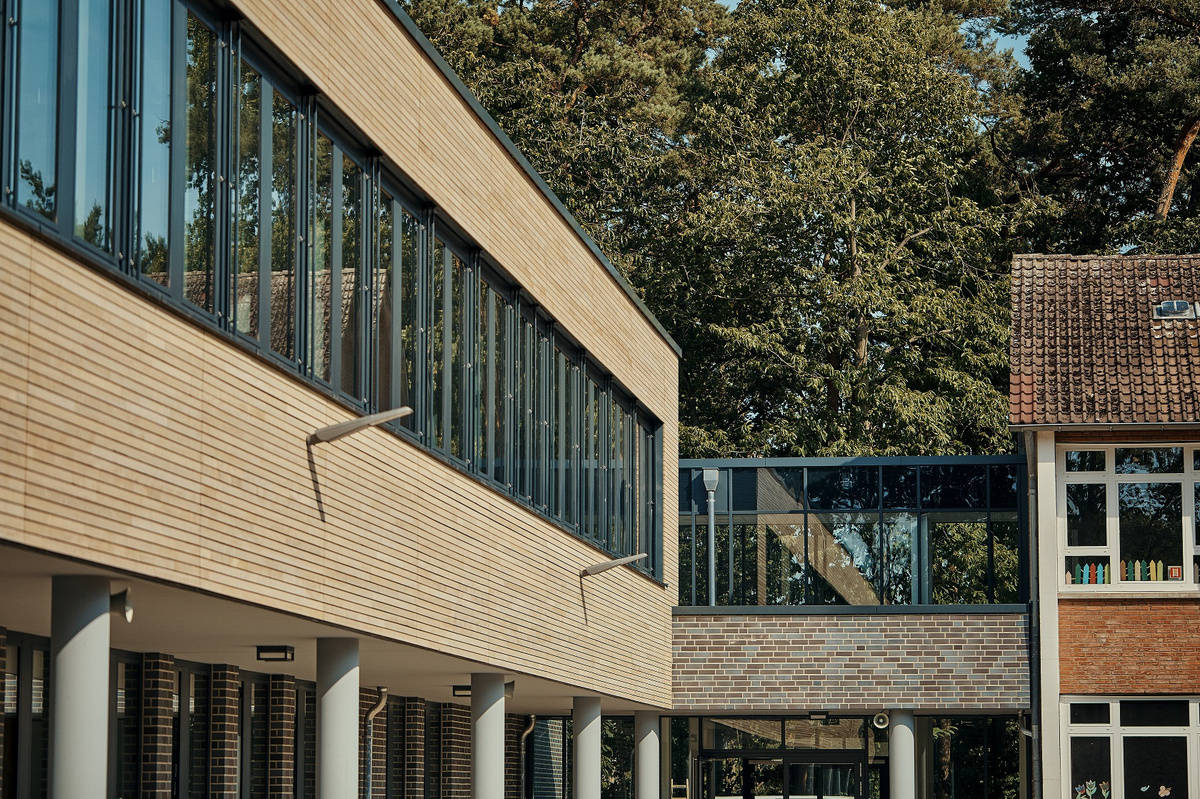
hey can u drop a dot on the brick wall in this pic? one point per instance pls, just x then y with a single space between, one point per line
1110 645
158 735
548 771
779 662
281 736
225 700
414 748
456 752
513 727
378 766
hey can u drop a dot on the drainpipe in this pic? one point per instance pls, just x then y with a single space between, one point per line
711 478
370 736
525 734
1035 650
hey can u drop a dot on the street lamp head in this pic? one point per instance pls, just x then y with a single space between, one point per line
711 478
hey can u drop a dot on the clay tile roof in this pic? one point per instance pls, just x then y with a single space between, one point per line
1086 348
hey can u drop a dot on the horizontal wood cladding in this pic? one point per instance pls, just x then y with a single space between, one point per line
134 438
1114 646
359 56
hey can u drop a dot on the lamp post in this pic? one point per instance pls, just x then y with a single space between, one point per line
711 479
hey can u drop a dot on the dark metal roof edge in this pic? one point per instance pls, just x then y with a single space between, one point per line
431 52
866 460
845 610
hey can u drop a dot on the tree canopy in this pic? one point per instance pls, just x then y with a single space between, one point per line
820 198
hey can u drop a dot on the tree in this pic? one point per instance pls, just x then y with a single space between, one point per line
1111 113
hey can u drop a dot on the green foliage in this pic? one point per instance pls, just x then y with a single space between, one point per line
1113 87
799 191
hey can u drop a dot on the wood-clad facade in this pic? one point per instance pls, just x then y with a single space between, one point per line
137 440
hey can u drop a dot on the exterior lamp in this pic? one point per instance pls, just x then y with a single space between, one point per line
275 653
335 431
465 690
610 564
119 604
712 478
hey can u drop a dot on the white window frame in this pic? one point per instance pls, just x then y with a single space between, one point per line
1112 549
1115 732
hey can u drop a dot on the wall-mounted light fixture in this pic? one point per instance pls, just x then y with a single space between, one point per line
275 653
119 604
335 431
604 566
465 690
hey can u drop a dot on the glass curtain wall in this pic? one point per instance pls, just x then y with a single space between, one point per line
870 532
196 166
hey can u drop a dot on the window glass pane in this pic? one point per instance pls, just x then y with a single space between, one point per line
901 550
1087 524
92 124
200 159
502 391
387 309
1003 486
320 303
842 734
843 487
198 705
781 575
1155 713
283 226
1149 460
1088 570
1006 570
768 489
458 338
36 111
900 486
258 744
1089 713
40 725
349 335
1151 531
1158 765
958 558
843 558
437 355
1091 768
409 270
1085 461
249 181
742 733
128 731
953 486
154 139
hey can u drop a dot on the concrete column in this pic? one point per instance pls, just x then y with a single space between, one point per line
487 736
646 751
337 718
79 658
902 755
585 733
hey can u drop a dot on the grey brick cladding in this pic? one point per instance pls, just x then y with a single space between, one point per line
784 663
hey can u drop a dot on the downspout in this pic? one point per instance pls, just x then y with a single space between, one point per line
1035 649
525 735
370 736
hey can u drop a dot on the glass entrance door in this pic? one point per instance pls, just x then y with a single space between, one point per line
742 778
769 778
823 781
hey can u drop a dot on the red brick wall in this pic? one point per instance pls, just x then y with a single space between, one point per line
1110 645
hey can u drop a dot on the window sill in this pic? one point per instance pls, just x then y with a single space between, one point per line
1139 592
